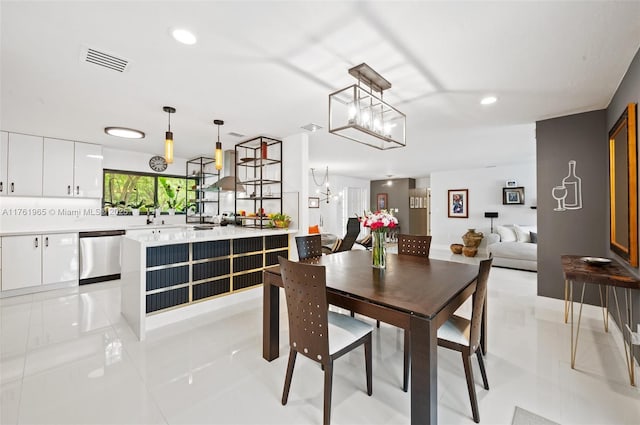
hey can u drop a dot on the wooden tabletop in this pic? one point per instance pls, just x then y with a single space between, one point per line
416 285
613 274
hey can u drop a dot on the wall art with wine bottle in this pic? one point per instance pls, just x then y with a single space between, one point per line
568 194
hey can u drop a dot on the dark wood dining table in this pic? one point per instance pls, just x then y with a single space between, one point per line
412 293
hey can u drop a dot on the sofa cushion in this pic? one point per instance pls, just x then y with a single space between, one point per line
534 237
507 234
522 235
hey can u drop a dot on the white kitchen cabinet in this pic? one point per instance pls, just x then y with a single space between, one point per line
4 145
72 169
35 260
59 257
58 168
24 169
21 261
88 170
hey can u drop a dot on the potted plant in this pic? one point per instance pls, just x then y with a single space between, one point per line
279 220
135 207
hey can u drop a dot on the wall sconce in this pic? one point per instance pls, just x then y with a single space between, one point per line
168 137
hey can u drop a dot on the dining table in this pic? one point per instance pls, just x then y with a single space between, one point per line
416 294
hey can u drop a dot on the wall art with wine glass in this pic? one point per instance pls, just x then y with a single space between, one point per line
568 194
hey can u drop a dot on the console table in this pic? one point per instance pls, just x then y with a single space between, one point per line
612 276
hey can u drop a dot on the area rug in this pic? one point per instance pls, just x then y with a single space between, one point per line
524 417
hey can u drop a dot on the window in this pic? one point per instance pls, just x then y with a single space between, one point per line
127 190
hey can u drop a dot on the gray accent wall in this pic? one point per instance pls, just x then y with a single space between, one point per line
583 138
398 195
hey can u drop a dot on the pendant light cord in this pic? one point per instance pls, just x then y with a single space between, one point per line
325 180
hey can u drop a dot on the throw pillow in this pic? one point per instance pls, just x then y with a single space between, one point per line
314 229
507 234
521 234
534 237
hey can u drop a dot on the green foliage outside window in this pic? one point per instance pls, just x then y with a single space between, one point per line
127 190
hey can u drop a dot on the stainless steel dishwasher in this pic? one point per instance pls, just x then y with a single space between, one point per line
100 256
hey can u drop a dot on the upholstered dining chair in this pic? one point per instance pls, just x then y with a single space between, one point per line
314 331
463 335
309 246
416 245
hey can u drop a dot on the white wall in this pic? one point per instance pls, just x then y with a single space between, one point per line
334 218
485 194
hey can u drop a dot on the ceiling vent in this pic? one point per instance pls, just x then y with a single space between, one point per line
103 59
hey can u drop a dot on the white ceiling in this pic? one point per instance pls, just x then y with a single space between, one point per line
267 67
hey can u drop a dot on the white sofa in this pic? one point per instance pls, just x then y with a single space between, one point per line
511 247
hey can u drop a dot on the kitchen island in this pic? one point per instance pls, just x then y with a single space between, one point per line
172 276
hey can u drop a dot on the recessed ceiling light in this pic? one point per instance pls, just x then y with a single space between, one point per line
488 100
127 133
184 36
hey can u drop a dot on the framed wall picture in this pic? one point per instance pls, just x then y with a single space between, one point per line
458 203
382 201
513 195
314 202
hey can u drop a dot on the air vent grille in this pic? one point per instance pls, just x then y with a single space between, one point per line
105 60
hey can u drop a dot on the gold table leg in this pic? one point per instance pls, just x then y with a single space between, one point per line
574 345
605 307
566 300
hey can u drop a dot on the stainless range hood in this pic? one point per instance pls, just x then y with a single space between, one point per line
229 181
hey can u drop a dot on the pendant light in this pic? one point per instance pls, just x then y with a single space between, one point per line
168 139
218 155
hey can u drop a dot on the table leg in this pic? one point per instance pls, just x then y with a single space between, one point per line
566 300
424 371
605 307
632 368
628 354
270 322
574 345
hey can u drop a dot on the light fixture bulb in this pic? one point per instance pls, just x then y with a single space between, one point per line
218 156
126 133
184 36
168 138
168 147
488 100
218 153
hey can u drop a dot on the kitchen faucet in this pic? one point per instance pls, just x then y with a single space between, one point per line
149 218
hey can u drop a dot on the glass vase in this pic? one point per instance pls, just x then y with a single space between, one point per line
379 257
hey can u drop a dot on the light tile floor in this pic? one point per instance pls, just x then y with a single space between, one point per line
67 357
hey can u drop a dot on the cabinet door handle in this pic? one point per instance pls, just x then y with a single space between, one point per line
36 242
77 190
46 241
12 187
68 189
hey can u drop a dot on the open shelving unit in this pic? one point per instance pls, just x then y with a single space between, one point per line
259 170
203 196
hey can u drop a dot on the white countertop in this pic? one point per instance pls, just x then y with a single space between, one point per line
78 229
176 236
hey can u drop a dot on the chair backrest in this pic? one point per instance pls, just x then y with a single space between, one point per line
353 230
479 297
305 289
417 245
309 246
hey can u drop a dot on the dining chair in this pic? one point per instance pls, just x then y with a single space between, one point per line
366 241
416 245
314 331
346 242
463 335
309 246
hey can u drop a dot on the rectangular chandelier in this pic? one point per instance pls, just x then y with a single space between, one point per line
358 113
